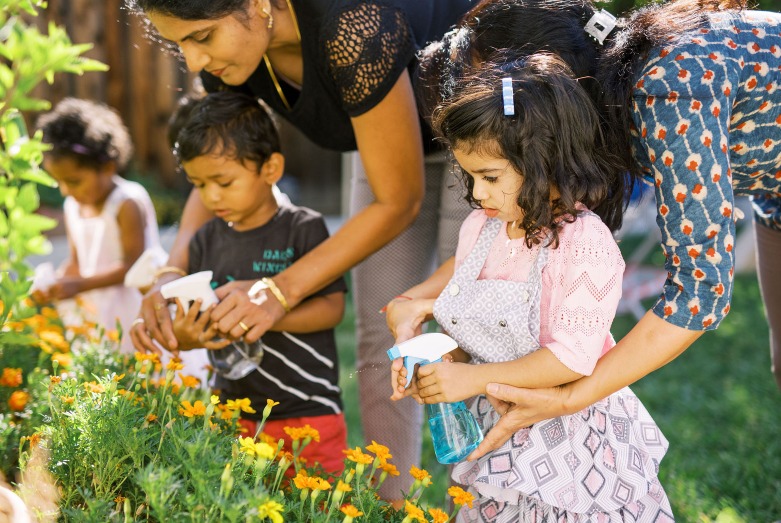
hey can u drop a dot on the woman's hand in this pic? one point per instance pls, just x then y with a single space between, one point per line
405 318
66 287
236 316
519 408
194 329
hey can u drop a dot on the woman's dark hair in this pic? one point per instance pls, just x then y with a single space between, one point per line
228 123
624 55
89 132
184 107
552 140
190 9
496 30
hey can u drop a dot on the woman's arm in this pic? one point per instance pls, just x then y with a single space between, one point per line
390 144
312 315
157 322
651 344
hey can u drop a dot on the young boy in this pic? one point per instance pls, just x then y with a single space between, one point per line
229 150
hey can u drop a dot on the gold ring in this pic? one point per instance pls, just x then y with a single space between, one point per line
137 321
243 326
159 305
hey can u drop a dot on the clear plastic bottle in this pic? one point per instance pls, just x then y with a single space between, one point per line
236 360
454 431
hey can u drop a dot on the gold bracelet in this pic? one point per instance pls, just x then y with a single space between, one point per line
169 269
276 292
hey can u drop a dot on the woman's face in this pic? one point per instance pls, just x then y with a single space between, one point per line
229 48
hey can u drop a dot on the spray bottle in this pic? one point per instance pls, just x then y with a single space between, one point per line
454 430
236 360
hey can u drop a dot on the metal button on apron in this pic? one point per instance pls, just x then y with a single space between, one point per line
503 323
454 289
453 321
525 296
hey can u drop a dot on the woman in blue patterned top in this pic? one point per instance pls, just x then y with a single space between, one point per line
691 96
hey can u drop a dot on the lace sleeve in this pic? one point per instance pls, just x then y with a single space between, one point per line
585 274
368 45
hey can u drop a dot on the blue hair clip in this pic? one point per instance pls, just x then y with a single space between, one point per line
507 96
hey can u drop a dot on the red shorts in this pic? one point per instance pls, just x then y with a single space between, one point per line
327 452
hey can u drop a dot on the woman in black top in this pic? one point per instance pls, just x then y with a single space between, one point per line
339 70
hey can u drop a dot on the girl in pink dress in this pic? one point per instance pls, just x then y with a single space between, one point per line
530 297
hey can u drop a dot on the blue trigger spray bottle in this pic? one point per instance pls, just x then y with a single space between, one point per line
454 430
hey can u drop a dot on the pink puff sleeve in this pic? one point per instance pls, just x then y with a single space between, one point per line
583 279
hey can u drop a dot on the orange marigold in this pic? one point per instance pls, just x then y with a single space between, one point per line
358 456
18 400
461 496
12 377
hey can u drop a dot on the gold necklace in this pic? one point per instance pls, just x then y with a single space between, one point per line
268 62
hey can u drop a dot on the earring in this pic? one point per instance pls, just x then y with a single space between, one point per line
270 18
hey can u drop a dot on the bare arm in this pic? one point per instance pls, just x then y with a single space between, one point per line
651 344
390 144
312 315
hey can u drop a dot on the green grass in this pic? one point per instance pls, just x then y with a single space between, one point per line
717 404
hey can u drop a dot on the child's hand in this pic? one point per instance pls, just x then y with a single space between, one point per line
405 318
445 382
399 381
194 330
65 287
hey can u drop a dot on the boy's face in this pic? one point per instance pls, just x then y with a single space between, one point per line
87 185
236 192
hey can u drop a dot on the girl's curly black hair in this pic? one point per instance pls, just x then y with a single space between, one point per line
553 139
91 133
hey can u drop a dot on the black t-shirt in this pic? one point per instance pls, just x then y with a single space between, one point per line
294 365
353 53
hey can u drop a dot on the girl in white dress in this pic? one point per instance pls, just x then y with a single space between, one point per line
109 221
530 297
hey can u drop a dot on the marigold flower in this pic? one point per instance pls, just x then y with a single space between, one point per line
95 387
298 433
269 405
414 512
12 377
113 335
438 516
381 451
146 356
119 499
351 512
67 399
461 496
255 448
389 468
55 380
320 484
341 486
268 438
242 404
53 341
174 364
191 382
116 379
214 399
301 481
272 510
49 313
358 456
18 400
419 474
151 417
63 360
195 409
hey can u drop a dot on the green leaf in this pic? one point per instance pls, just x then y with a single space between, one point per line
16 338
28 199
38 176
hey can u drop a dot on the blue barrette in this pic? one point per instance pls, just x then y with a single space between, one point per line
507 96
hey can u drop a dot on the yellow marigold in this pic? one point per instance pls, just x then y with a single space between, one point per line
243 404
225 412
341 486
461 496
268 438
381 451
119 499
191 382
419 474
49 313
68 400
12 377
301 480
195 409
151 417
117 378
95 387
55 339
18 400
214 399
62 359
112 335
351 511
414 512
54 380
389 468
174 364
320 484
358 456
272 510
146 356
297 433
255 448
269 405
438 516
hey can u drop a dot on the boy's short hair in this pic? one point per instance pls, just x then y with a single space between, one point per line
228 123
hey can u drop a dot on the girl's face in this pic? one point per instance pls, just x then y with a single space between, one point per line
87 185
234 191
496 183
229 48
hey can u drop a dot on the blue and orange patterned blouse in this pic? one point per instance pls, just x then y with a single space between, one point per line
707 111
